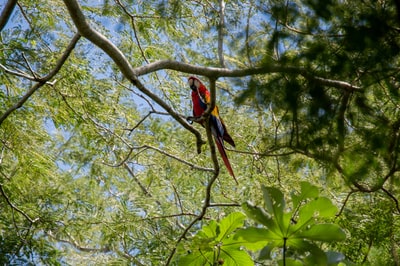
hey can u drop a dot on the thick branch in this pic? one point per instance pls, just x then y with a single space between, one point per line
224 72
6 13
98 39
44 80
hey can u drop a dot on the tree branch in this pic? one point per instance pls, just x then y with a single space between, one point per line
20 73
225 72
6 13
396 202
345 202
221 31
44 80
3 193
76 245
132 18
142 187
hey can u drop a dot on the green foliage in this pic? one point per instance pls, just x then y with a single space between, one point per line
294 229
215 244
94 171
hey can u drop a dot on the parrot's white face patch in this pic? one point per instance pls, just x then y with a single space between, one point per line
196 83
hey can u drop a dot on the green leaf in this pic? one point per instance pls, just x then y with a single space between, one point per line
320 207
209 230
307 191
230 224
235 257
194 259
316 255
274 201
275 205
260 215
323 232
255 238
256 213
290 262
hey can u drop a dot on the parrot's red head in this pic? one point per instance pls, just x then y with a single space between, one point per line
194 83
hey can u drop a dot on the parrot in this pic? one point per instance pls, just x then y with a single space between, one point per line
200 100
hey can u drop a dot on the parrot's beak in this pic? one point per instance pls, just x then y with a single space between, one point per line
192 84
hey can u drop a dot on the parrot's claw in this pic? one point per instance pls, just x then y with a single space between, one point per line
190 119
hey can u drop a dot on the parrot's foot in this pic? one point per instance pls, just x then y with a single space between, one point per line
191 119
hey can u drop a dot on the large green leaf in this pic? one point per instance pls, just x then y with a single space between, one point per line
265 253
297 236
313 254
323 232
210 230
320 207
274 201
261 216
255 238
235 257
217 242
196 259
275 205
307 191
230 223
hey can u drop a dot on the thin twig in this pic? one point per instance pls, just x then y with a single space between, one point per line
170 216
396 202
20 73
137 181
29 67
133 23
345 202
32 221
221 33
140 122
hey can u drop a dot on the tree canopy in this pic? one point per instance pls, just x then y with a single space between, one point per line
99 165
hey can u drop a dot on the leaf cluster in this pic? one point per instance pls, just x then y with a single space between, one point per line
293 231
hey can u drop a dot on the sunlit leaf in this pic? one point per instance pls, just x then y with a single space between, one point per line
230 223
323 232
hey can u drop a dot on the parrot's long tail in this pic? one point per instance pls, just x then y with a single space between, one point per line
221 149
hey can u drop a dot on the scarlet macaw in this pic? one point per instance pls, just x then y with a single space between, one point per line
200 98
